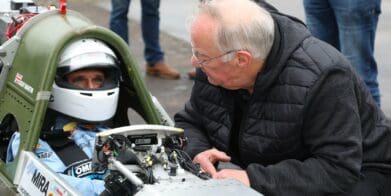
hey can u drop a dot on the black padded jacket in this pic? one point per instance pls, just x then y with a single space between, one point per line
309 128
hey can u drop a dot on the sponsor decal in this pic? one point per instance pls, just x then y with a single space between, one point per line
83 169
19 81
40 181
79 169
37 180
44 155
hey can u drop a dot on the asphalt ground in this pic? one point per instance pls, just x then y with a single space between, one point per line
174 38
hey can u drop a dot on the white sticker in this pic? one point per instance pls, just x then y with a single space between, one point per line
43 95
19 81
38 181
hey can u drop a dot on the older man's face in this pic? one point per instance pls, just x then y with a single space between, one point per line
207 57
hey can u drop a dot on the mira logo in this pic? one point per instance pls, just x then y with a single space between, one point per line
40 182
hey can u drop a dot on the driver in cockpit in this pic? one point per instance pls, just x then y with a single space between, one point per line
84 97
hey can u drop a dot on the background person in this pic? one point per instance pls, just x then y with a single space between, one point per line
150 19
282 105
350 26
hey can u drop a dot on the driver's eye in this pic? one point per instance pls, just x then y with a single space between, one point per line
98 81
79 81
88 83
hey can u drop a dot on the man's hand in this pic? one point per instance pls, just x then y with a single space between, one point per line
240 175
207 158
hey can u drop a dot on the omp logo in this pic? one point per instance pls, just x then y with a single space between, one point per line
40 182
83 168
79 169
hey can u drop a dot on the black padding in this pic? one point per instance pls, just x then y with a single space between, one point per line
70 153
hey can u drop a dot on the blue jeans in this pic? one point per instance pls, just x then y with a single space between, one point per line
149 26
350 26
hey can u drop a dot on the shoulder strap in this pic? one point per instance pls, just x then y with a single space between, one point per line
70 153
65 148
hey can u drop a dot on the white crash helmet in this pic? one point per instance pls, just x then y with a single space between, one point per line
92 105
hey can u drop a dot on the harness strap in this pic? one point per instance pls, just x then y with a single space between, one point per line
77 162
70 153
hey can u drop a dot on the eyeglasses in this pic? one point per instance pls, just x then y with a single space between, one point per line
201 63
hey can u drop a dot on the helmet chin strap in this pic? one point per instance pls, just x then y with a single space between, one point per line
88 126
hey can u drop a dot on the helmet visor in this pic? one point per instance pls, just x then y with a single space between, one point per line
110 80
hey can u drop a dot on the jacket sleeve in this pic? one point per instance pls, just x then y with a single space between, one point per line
331 131
191 121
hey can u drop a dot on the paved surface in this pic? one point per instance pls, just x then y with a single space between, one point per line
175 15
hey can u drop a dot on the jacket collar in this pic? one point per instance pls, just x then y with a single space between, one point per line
289 34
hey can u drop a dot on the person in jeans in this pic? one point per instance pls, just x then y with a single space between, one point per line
350 26
153 54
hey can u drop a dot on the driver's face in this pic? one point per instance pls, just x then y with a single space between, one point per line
86 78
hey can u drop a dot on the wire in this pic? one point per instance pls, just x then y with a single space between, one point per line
186 162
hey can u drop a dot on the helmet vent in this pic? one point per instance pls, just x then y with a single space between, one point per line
110 93
87 94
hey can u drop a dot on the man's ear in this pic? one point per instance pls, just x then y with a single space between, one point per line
244 58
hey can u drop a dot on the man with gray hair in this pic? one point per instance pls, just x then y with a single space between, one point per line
283 106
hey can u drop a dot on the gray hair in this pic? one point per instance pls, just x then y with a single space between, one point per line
241 25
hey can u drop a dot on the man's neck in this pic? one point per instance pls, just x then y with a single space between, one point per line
255 68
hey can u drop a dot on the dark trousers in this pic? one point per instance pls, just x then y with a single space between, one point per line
150 19
372 183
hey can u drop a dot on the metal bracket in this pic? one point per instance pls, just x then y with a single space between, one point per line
7 56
